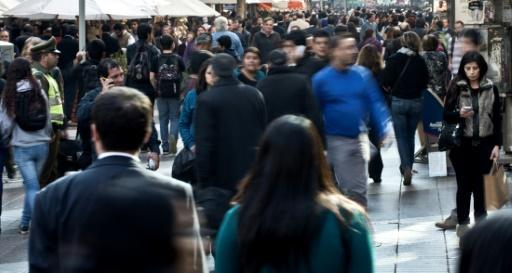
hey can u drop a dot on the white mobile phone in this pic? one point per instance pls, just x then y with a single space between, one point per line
467 108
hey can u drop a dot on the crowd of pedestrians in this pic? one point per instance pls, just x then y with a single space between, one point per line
282 118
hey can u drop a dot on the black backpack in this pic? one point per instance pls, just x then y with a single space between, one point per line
138 70
31 112
169 77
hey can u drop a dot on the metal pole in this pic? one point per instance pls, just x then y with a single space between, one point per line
346 7
321 4
81 22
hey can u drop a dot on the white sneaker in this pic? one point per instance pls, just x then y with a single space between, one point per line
461 230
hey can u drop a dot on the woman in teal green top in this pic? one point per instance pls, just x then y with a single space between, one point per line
290 217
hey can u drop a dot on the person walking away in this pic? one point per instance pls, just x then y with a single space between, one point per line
168 83
98 232
473 102
250 72
370 58
142 57
44 58
230 118
305 224
357 98
406 77
437 64
27 122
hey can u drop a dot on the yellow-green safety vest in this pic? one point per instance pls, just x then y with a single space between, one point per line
56 109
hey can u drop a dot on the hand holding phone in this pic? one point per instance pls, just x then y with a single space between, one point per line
106 83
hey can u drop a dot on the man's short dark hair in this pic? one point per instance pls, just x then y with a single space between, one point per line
166 42
56 30
298 37
105 65
144 31
343 36
320 34
123 118
27 29
118 27
71 30
473 35
96 49
224 41
106 28
340 29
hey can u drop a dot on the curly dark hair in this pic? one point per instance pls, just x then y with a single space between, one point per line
18 70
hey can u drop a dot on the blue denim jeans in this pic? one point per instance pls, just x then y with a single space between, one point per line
168 111
30 161
406 114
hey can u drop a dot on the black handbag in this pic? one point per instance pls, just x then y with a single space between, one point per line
450 136
183 167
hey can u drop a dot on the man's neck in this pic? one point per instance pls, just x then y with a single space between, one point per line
167 51
340 67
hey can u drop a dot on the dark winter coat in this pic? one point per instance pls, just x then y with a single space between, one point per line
230 119
286 92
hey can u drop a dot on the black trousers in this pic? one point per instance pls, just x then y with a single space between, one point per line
471 163
375 165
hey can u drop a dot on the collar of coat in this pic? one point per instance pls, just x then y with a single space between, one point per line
485 84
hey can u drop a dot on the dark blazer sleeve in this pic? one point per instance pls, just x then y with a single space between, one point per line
205 138
43 243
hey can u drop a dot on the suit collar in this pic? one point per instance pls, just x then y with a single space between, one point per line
116 160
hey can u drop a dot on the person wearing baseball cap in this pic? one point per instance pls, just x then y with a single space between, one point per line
45 57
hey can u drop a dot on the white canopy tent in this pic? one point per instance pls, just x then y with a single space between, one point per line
69 10
176 8
6 5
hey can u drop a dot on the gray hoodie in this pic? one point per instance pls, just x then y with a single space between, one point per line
19 137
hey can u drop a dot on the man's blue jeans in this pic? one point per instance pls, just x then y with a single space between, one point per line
168 111
406 114
30 161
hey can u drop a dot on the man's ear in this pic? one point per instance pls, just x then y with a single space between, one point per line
94 133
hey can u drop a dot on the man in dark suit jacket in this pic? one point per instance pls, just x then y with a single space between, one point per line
116 216
230 118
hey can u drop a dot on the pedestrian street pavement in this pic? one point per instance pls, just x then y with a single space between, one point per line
402 218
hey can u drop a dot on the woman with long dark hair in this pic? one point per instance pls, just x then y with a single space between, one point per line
473 102
186 123
290 217
30 145
370 57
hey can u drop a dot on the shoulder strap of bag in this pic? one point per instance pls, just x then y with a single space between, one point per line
400 76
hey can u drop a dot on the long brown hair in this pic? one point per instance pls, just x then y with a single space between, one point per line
370 58
18 70
284 194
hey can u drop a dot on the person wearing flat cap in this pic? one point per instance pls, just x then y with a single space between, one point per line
45 57
230 118
287 92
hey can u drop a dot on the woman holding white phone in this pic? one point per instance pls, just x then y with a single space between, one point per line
473 102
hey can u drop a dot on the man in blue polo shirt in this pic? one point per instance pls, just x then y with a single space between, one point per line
349 99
